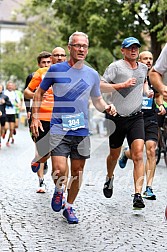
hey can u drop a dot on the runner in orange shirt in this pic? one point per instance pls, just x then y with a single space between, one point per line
44 115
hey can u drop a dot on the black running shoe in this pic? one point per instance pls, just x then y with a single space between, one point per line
108 188
138 201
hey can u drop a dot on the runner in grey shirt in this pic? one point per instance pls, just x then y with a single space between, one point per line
125 79
128 100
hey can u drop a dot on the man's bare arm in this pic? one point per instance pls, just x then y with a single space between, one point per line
106 87
28 93
37 99
102 106
157 82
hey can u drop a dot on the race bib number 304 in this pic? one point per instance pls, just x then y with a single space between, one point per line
73 122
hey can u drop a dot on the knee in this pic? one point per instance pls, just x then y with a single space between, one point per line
151 152
137 156
77 173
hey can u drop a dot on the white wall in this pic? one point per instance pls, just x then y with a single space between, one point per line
10 33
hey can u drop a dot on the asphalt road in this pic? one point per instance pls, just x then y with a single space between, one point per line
28 224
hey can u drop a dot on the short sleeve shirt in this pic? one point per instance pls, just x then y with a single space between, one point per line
127 100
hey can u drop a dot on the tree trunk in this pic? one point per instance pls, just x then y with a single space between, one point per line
155 46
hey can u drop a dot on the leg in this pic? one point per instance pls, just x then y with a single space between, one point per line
111 163
137 157
116 139
59 170
3 121
40 173
77 166
150 162
78 149
138 173
42 147
66 176
150 169
151 139
11 129
59 176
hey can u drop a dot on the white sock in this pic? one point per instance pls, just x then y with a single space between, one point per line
68 205
107 178
58 189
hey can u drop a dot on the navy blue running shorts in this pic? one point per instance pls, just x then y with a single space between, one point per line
76 147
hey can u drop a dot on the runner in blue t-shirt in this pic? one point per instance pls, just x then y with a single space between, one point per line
73 83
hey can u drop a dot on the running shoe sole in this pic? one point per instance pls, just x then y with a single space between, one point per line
41 190
153 197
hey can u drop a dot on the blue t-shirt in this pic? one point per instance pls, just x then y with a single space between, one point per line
72 88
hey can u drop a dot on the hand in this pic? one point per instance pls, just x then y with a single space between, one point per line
162 110
150 94
0 113
34 127
130 82
110 109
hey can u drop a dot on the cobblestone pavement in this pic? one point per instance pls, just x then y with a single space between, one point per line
28 224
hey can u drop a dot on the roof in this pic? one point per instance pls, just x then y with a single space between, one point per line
7 11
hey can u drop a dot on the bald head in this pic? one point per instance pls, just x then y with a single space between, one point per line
146 57
58 55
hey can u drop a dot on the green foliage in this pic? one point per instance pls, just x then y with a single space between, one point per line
107 22
42 33
99 58
12 65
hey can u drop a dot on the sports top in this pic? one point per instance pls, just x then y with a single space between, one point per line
46 107
126 100
72 88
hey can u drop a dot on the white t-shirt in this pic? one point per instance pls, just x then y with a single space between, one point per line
10 110
161 63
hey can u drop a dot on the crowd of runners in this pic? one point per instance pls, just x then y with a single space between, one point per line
57 98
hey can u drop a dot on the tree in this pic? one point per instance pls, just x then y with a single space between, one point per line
151 18
18 60
108 22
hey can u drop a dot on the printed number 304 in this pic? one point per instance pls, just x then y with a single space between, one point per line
73 122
